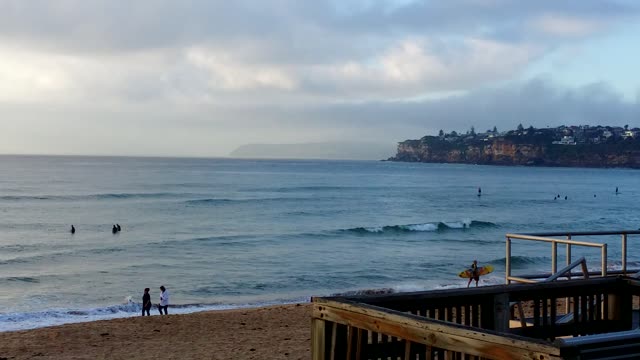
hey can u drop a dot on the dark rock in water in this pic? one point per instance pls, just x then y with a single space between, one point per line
382 291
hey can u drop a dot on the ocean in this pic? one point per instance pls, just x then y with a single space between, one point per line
227 233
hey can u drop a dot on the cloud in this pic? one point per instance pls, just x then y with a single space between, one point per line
227 73
566 26
201 77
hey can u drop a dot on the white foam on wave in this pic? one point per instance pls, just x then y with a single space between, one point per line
458 225
422 227
54 317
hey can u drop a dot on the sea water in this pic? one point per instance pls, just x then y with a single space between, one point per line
225 233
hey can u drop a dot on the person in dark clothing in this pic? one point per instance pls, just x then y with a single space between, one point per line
474 273
73 229
118 227
146 302
114 229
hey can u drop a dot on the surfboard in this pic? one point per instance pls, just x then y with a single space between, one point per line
482 270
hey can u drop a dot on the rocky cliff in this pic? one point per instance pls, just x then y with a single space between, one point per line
503 151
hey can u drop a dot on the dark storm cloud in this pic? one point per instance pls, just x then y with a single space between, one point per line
538 102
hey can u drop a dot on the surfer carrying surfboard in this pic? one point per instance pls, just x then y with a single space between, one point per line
475 274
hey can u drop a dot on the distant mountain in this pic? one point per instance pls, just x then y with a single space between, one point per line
326 150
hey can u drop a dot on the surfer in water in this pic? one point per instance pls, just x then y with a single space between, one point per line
475 275
73 229
479 191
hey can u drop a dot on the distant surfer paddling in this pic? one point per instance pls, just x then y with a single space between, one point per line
479 191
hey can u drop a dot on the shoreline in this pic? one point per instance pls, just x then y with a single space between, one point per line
269 332
19 321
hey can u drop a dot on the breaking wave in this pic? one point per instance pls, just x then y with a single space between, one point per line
426 227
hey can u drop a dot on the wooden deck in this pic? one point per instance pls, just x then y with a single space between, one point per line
477 323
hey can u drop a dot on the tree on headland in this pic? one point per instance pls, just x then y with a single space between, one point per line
472 132
454 133
441 133
520 127
495 130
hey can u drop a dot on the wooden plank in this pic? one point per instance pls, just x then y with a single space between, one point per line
350 349
359 343
467 315
545 312
475 315
501 313
421 297
433 333
407 350
536 312
317 339
334 335
584 310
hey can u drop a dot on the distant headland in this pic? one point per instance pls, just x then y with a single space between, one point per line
571 146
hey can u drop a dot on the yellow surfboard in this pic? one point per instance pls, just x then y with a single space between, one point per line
482 270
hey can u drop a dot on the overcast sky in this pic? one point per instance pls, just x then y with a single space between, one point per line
200 78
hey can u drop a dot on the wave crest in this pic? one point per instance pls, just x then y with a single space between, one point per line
425 227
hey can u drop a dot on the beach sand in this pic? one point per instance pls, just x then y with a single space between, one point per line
275 332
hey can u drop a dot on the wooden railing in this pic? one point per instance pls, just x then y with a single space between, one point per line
469 323
550 237
345 330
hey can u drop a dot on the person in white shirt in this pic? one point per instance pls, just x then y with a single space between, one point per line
164 300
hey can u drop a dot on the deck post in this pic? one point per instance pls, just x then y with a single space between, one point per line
624 254
604 260
501 312
508 261
318 339
554 257
567 301
568 260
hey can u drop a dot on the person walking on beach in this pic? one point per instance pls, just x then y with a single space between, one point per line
475 275
164 300
146 302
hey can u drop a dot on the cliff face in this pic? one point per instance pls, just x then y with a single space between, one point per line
502 151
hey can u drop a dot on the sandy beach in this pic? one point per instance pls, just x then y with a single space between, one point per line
275 332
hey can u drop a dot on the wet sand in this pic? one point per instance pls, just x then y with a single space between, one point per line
275 332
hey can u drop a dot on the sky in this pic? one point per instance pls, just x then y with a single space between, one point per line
203 77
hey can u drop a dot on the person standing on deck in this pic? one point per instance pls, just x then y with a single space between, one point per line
164 300
475 275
